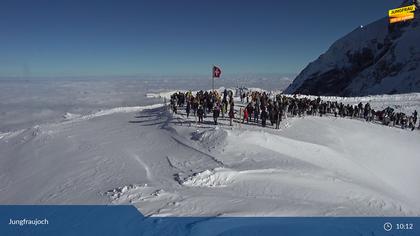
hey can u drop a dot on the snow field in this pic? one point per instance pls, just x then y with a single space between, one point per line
166 164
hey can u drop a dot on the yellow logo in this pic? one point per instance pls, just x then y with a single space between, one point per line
401 14
401 11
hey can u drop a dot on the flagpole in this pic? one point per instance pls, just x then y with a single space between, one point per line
212 76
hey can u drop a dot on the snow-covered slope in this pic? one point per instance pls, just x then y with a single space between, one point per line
166 164
374 59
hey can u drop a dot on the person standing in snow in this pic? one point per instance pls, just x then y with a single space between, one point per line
270 112
403 121
216 113
224 108
200 113
175 109
286 109
256 112
250 110
231 113
335 111
411 124
275 113
245 116
366 111
279 115
188 108
263 117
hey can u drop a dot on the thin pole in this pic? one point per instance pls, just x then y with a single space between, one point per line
212 76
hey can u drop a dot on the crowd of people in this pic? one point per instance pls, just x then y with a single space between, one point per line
204 103
260 107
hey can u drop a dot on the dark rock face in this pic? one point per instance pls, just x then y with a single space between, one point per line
335 81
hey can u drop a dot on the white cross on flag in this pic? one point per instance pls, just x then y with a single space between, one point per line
217 72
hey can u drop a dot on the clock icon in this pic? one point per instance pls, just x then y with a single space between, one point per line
387 227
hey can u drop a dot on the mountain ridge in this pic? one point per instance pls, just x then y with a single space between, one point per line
375 59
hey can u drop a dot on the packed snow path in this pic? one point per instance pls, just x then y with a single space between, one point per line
166 164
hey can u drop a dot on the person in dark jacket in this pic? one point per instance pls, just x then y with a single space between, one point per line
250 110
264 116
200 113
275 113
216 113
188 108
231 113
256 112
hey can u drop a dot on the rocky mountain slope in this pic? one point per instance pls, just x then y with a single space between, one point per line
375 59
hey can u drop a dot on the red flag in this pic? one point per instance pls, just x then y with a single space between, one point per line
217 72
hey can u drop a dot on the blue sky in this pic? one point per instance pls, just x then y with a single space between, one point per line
113 38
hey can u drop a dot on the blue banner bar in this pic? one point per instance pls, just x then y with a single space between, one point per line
127 220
